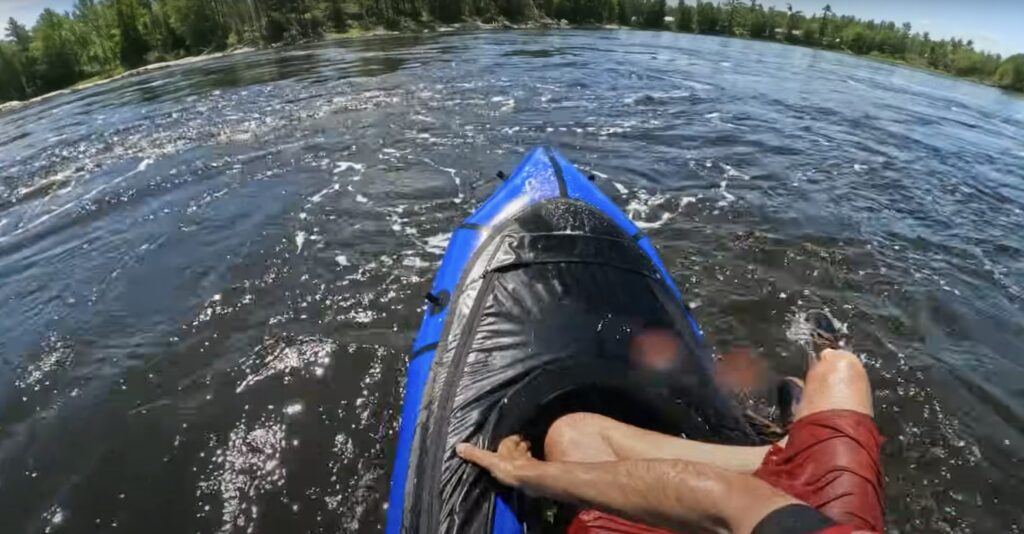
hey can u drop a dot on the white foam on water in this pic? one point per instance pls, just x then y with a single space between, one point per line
437 243
731 172
57 355
716 119
640 206
727 197
415 262
392 155
342 166
287 356
621 188
342 260
799 329
665 217
320 196
361 199
244 470
54 518
507 102
141 167
47 185
300 238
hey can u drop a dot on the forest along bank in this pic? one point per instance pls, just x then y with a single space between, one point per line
106 37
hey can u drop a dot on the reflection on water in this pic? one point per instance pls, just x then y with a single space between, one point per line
211 274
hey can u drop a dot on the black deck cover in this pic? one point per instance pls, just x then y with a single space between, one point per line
540 325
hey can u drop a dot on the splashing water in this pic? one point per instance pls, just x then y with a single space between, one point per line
154 230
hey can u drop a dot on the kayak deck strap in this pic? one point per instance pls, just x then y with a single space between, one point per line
527 249
423 350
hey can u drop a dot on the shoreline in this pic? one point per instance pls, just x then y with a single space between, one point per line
471 25
100 79
353 33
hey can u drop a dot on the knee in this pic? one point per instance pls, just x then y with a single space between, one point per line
571 434
839 366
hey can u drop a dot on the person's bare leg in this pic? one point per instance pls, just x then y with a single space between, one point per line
588 437
836 380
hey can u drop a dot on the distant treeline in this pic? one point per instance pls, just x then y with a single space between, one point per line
843 32
102 37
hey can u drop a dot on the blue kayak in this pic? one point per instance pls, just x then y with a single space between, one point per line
530 317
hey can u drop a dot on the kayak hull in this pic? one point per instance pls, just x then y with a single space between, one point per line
530 316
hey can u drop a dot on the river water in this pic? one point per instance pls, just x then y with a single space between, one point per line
210 275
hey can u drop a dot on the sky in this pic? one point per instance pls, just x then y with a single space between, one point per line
994 25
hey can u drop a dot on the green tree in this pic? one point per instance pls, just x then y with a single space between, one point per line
731 20
707 17
823 27
1010 74
453 10
165 38
198 24
519 10
133 47
684 17
97 36
336 17
16 63
54 51
809 31
757 21
622 13
793 19
653 14
857 39
547 7
18 34
13 82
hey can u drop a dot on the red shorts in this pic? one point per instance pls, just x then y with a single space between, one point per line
830 461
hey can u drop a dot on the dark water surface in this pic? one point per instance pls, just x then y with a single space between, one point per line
210 275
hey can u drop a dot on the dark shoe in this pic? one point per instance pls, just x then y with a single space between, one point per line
824 334
787 396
